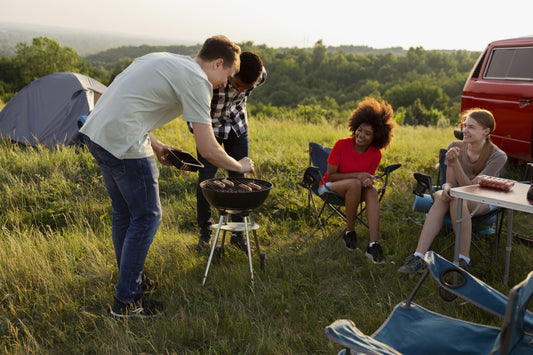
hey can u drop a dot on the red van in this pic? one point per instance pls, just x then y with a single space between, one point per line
502 82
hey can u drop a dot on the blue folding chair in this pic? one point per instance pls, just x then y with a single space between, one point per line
413 329
483 224
332 202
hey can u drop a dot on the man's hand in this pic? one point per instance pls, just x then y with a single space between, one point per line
161 150
247 165
163 157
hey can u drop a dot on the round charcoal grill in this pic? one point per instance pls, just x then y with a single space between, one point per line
235 200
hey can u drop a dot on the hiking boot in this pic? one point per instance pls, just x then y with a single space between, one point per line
203 240
237 240
147 284
140 308
412 265
375 253
350 240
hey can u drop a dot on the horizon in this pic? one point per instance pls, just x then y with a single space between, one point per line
455 25
159 40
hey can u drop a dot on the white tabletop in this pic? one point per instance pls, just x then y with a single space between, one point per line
514 199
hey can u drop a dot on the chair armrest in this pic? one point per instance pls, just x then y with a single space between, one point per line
311 177
468 287
423 183
345 333
389 169
471 288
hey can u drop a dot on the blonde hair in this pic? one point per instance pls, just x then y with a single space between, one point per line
486 120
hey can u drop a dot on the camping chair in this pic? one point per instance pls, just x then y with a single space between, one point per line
489 222
331 201
413 329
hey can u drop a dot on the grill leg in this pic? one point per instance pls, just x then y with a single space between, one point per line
248 247
213 247
255 236
262 256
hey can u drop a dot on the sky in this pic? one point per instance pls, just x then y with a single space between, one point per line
451 24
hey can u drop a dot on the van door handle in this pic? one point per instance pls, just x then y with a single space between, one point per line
524 102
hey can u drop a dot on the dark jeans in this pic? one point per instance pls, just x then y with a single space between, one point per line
236 147
133 187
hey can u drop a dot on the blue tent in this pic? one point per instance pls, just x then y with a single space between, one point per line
46 110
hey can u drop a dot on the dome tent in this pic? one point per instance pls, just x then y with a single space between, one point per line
46 110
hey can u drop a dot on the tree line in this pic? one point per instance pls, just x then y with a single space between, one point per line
423 86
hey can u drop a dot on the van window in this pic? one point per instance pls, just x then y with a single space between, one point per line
510 64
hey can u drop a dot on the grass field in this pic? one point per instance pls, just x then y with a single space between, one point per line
57 269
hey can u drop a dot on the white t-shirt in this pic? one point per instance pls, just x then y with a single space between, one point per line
151 91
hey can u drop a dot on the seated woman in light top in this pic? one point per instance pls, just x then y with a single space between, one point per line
466 160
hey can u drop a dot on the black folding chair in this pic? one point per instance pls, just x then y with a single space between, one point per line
332 202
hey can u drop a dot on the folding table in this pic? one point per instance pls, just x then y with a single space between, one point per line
513 200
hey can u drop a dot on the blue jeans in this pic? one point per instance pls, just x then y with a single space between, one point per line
236 147
133 187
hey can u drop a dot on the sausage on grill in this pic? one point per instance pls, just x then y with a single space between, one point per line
245 187
219 184
254 186
228 183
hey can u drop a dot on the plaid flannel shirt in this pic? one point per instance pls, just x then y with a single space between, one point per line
228 109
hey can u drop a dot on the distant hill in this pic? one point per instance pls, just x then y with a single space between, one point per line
83 41
106 49
110 57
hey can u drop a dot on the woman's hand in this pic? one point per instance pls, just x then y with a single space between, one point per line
446 192
452 155
367 180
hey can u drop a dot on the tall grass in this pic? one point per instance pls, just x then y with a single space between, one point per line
57 269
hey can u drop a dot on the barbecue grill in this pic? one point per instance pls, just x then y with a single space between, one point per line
237 200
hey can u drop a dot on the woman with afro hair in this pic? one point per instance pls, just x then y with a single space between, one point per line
352 164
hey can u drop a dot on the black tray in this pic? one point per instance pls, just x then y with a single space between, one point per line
184 160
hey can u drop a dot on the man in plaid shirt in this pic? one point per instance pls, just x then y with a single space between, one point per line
230 126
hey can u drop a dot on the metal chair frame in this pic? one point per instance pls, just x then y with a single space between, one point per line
411 328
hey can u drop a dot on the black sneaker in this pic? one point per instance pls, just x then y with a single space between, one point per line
375 253
140 308
203 240
464 264
237 240
147 284
412 265
350 240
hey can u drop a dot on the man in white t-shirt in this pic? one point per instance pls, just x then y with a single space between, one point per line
152 91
